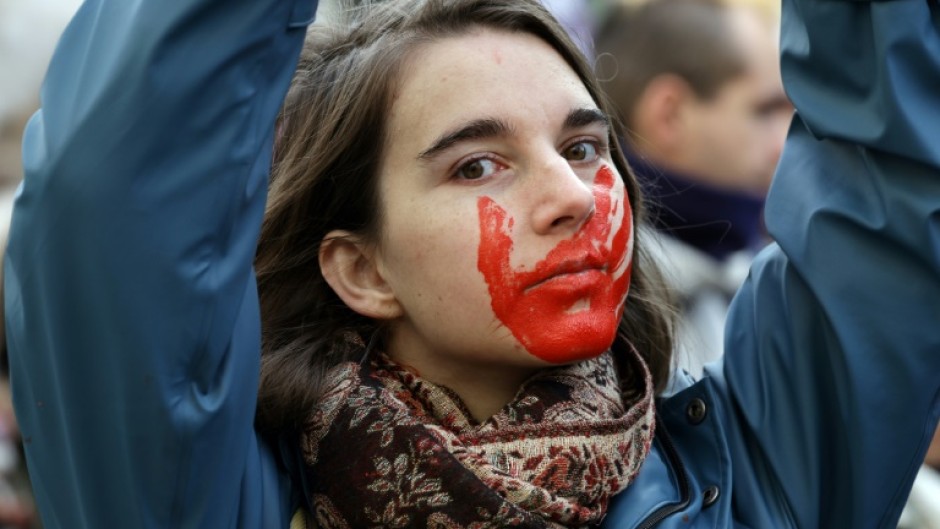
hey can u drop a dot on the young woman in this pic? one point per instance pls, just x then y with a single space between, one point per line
457 324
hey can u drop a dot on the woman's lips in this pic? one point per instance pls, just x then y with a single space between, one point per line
571 279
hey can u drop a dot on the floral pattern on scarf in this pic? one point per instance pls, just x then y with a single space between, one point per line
385 448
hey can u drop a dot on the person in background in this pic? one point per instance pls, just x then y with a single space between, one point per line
697 85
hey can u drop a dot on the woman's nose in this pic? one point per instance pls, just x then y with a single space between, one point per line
563 199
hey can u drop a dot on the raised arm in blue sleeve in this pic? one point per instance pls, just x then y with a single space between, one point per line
833 367
131 307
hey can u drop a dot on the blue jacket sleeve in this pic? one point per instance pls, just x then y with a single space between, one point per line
130 298
833 361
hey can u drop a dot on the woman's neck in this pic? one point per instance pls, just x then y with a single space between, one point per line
483 389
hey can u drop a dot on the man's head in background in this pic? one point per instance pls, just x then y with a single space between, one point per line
697 83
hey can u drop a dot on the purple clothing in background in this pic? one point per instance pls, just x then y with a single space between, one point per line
716 221
578 19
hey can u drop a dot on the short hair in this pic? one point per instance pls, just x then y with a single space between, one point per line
691 39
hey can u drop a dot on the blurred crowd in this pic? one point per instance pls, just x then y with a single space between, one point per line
697 84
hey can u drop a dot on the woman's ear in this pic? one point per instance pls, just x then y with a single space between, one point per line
349 267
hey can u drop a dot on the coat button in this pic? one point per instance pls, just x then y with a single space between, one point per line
696 411
710 496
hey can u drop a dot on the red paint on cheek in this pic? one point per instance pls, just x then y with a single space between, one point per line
568 306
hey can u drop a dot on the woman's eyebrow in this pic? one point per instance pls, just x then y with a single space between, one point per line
582 117
480 129
475 130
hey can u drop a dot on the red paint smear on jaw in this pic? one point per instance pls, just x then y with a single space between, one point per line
537 305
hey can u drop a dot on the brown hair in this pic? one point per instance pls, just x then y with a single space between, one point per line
688 38
331 136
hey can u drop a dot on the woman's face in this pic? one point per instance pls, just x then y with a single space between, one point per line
506 233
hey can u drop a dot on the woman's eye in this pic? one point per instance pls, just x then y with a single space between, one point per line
581 152
476 169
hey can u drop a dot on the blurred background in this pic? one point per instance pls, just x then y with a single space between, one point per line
28 33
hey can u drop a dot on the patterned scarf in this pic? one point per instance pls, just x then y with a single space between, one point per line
388 449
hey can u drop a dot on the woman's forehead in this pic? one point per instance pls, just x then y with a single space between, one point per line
514 77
